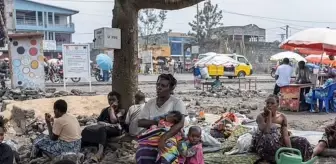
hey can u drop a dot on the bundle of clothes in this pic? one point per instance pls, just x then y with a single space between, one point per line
228 122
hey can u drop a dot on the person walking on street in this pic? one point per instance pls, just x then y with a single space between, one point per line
282 75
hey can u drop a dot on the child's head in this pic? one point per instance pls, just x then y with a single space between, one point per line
174 117
195 135
139 97
2 129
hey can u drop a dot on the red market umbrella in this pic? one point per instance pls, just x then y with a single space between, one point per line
315 39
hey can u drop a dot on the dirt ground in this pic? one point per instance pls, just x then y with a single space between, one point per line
296 120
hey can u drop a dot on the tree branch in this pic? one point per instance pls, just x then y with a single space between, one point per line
166 4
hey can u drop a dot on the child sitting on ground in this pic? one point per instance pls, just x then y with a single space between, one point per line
191 150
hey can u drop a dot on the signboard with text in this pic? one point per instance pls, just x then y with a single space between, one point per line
76 60
107 38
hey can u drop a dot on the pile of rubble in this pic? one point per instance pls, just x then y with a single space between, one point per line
19 94
228 92
226 100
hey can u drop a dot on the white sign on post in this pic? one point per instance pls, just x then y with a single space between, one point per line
76 62
49 45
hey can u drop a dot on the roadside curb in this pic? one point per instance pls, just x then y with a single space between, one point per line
226 81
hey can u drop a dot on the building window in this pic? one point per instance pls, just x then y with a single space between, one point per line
57 19
51 36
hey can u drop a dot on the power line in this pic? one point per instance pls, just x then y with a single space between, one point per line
290 20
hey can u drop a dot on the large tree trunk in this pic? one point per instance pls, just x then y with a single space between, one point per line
125 71
125 17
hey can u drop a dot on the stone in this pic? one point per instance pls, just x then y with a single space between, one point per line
76 92
30 92
197 103
254 107
5 103
49 95
16 91
50 90
244 111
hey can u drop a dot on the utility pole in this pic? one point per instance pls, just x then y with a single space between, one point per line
197 17
282 37
287 31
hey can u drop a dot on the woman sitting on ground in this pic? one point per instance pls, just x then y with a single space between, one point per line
6 152
64 133
110 123
166 151
328 140
273 134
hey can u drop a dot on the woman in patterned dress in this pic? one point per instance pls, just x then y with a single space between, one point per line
273 134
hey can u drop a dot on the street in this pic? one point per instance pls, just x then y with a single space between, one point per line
152 78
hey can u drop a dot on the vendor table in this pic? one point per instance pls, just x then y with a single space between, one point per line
290 96
248 81
207 84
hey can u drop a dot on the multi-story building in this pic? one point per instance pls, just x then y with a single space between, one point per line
248 33
55 22
177 42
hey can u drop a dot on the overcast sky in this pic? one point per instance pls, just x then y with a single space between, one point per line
268 14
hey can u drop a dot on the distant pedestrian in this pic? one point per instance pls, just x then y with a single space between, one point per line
283 75
197 77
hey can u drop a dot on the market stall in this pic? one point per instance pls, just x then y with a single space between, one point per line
315 39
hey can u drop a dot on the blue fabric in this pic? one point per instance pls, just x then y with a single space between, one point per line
312 66
106 75
319 94
197 71
54 148
104 62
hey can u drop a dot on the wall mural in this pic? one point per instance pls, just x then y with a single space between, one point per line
27 63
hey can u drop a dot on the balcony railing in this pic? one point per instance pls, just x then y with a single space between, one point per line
25 22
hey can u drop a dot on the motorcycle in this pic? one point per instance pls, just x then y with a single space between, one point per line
61 75
273 69
98 75
50 74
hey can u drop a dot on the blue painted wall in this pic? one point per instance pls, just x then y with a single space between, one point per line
32 6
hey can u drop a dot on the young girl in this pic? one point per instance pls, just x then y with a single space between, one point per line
6 153
191 150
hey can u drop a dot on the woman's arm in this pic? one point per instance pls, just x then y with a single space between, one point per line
285 134
144 123
264 125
